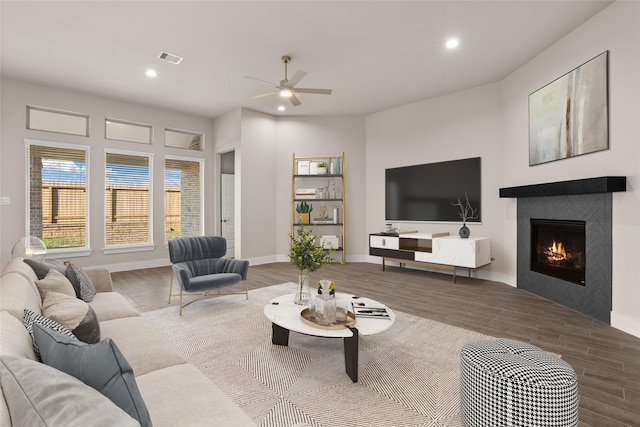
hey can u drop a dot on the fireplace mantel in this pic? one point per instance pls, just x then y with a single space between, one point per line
604 184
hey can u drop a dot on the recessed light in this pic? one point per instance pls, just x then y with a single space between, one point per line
151 73
452 43
281 108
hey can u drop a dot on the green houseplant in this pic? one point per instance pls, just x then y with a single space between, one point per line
307 257
304 212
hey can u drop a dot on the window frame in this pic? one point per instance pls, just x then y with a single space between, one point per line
128 247
29 124
201 163
59 252
149 127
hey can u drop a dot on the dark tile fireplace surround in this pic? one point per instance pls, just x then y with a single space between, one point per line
576 203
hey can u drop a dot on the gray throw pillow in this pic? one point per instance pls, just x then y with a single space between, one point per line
84 287
39 395
30 318
73 313
101 366
40 268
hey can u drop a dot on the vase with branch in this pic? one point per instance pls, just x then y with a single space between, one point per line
308 257
467 212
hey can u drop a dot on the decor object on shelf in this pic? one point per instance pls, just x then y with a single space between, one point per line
325 302
467 212
308 257
29 247
304 212
322 168
569 116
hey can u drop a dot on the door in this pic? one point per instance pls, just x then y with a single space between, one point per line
227 212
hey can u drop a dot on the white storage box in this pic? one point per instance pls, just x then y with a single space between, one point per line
329 242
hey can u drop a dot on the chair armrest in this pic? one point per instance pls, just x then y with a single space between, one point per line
183 273
227 265
101 279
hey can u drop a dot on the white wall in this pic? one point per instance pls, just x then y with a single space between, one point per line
461 125
17 94
616 29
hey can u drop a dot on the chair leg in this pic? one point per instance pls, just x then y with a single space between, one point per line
171 286
180 300
246 290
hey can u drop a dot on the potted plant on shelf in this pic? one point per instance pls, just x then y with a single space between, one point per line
322 168
308 257
304 212
466 213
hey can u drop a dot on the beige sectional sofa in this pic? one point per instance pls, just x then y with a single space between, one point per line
175 392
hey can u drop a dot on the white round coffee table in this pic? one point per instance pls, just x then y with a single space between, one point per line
285 316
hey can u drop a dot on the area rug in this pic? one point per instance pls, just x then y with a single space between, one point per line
408 375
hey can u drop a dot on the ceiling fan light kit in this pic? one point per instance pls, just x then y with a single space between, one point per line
287 87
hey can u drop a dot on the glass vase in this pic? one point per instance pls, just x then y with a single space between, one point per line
302 292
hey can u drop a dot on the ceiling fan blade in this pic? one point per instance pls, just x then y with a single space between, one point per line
295 79
294 100
263 81
263 95
316 91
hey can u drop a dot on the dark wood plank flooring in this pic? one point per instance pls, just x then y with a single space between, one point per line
606 360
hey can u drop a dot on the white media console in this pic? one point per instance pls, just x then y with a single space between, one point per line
438 250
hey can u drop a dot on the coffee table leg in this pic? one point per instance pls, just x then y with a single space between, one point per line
280 335
351 355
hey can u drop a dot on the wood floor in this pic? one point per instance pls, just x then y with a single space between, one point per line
606 360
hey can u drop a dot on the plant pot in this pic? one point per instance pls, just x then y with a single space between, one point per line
302 292
322 171
304 218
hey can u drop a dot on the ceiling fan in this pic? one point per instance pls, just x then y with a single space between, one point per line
287 88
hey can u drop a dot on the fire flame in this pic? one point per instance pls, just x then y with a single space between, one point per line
556 252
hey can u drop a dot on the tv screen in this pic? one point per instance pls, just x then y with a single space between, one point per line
426 192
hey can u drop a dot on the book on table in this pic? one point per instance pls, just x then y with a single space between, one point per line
370 310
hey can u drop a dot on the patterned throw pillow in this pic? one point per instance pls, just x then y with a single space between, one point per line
73 313
84 287
30 318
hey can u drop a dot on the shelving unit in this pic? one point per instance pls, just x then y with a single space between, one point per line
320 190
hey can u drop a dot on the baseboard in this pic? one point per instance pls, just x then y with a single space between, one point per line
267 259
136 265
625 324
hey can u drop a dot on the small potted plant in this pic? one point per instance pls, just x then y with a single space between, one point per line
322 168
308 257
304 212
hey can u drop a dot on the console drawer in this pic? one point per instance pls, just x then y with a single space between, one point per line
384 242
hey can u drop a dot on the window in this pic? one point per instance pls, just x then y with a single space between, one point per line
183 139
127 131
57 209
183 197
128 199
48 119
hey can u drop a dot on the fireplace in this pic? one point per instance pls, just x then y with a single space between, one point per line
583 210
558 249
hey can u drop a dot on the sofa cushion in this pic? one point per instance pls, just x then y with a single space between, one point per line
34 402
82 284
17 265
30 319
73 313
14 338
206 401
17 293
112 305
54 282
143 345
101 366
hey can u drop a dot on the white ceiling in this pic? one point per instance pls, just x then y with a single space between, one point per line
375 55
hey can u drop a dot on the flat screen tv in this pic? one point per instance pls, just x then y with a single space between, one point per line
426 192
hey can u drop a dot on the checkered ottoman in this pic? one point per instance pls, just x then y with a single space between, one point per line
510 383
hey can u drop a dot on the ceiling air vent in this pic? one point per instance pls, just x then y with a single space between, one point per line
174 59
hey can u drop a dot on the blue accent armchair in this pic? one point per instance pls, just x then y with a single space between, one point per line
199 266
